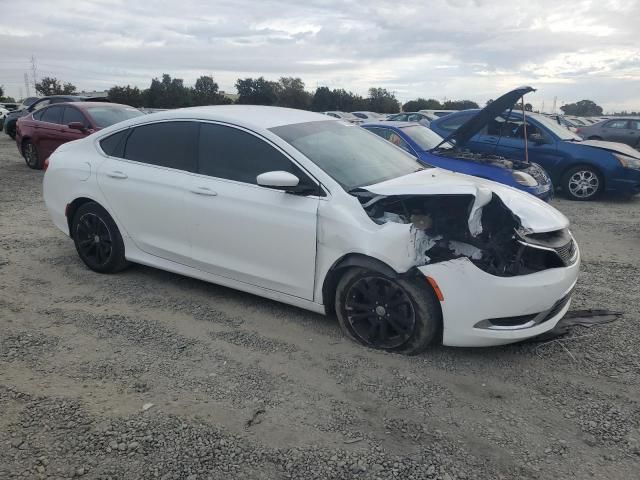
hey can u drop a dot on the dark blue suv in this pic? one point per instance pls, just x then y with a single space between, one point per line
581 168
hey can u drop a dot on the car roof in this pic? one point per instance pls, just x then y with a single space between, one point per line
251 116
83 105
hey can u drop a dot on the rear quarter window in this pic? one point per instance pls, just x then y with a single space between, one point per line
113 145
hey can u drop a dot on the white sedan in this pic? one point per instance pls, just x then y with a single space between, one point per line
318 213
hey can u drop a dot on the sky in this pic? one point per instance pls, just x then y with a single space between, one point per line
443 49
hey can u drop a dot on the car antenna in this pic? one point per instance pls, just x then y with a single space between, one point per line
524 132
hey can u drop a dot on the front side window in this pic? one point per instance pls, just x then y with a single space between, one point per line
233 154
349 154
616 124
166 144
52 115
425 138
73 115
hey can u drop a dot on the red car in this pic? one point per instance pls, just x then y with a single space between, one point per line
40 133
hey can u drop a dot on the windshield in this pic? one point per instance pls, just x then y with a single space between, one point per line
106 115
562 132
349 154
425 138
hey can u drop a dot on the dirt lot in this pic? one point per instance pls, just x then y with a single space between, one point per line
244 387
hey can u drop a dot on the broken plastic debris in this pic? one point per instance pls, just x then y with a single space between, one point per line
147 406
583 318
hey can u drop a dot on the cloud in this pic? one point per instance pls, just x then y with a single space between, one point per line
472 49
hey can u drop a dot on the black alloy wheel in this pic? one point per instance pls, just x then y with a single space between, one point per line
97 239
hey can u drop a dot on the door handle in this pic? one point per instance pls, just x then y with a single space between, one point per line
117 174
204 191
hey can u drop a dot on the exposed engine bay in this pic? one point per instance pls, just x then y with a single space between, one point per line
445 227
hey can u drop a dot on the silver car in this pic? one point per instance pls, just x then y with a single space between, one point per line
623 130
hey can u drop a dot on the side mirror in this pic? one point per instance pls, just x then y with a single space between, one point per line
77 126
537 138
278 179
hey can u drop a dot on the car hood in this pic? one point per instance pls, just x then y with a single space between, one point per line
535 215
612 147
471 127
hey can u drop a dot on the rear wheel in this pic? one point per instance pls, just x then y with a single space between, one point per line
394 314
30 155
582 183
97 239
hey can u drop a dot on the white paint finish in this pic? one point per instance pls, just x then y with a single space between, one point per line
149 203
534 214
253 234
281 246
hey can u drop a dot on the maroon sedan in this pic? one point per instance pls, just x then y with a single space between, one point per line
41 132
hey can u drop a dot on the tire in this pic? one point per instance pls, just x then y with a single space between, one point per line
30 154
363 320
97 239
582 183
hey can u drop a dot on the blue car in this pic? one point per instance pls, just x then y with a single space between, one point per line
581 168
428 147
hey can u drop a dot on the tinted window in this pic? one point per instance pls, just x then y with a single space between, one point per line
634 124
73 115
38 114
167 144
349 154
40 104
106 115
113 145
52 115
616 124
227 152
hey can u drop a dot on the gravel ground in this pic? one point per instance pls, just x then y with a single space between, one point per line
146 374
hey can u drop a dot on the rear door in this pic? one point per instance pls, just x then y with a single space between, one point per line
240 230
634 133
144 180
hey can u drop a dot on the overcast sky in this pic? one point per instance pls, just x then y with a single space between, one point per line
454 49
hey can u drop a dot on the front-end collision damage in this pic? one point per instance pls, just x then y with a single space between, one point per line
479 227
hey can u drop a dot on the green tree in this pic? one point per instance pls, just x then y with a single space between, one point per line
168 93
205 92
382 101
53 86
421 104
127 95
257 91
459 105
291 93
583 108
322 100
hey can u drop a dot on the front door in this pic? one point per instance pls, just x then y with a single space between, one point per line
240 230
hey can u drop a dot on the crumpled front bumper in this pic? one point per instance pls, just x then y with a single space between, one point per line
472 296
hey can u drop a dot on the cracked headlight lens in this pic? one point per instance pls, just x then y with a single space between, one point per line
525 179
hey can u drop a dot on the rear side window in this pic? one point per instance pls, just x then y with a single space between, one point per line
166 144
52 115
616 124
113 145
226 152
73 115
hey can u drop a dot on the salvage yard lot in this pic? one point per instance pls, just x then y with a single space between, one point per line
243 387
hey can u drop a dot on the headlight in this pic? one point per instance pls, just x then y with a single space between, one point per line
525 179
628 162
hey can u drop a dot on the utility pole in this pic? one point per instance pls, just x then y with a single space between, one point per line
34 72
555 99
26 84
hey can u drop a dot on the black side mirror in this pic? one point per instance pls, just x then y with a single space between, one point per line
77 126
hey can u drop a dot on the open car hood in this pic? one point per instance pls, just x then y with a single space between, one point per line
616 147
467 130
535 215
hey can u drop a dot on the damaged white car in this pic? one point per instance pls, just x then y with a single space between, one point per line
321 214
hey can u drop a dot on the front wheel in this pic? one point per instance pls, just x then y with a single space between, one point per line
582 183
394 314
97 239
